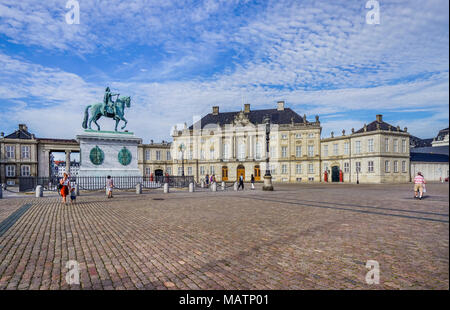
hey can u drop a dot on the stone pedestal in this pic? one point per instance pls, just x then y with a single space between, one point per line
191 187
267 183
223 186
139 188
39 191
104 153
166 188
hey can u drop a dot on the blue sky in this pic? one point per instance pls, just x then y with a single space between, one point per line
177 59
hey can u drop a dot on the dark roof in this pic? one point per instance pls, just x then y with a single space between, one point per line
255 117
431 150
20 134
418 142
427 157
383 126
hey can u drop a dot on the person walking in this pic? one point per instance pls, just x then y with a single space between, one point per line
109 186
207 179
252 180
419 185
241 182
65 187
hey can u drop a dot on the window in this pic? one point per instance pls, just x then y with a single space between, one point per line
358 166
158 155
310 150
25 152
148 171
241 148
298 151
10 171
202 170
403 145
180 170
284 151
335 149
298 169
346 148
395 166
225 151
311 179
169 170
10 151
325 150
189 170
370 145
370 166
404 166
211 154
25 171
258 150
357 147
147 155
386 144
311 135
168 155
346 167
273 169
211 170
310 168
272 152
284 169
387 166
202 154
395 145
298 135
284 136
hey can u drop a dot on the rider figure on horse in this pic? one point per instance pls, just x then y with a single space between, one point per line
108 102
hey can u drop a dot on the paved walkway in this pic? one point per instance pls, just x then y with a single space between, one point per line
297 237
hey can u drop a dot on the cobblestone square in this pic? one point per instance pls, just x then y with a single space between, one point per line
316 236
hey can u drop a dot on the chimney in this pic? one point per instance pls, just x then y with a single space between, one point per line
215 110
2 134
247 108
23 127
379 118
280 105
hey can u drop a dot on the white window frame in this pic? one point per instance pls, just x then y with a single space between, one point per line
284 151
370 148
386 144
298 151
158 155
25 152
168 156
370 166
387 166
395 166
310 150
148 155
346 148
283 169
10 151
298 169
395 145
10 171
358 147
404 166
335 149
310 168
358 166
189 170
346 167
325 150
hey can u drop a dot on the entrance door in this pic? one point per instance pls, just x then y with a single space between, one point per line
159 172
224 173
257 173
240 171
335 174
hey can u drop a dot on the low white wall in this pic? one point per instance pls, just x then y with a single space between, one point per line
430 171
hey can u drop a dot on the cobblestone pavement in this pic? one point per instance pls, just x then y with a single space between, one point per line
297 237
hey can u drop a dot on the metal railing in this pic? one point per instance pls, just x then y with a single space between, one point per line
99 183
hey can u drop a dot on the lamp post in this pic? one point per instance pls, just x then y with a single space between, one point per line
267 177
181 148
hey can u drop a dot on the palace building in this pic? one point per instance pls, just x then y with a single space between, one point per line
228 144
